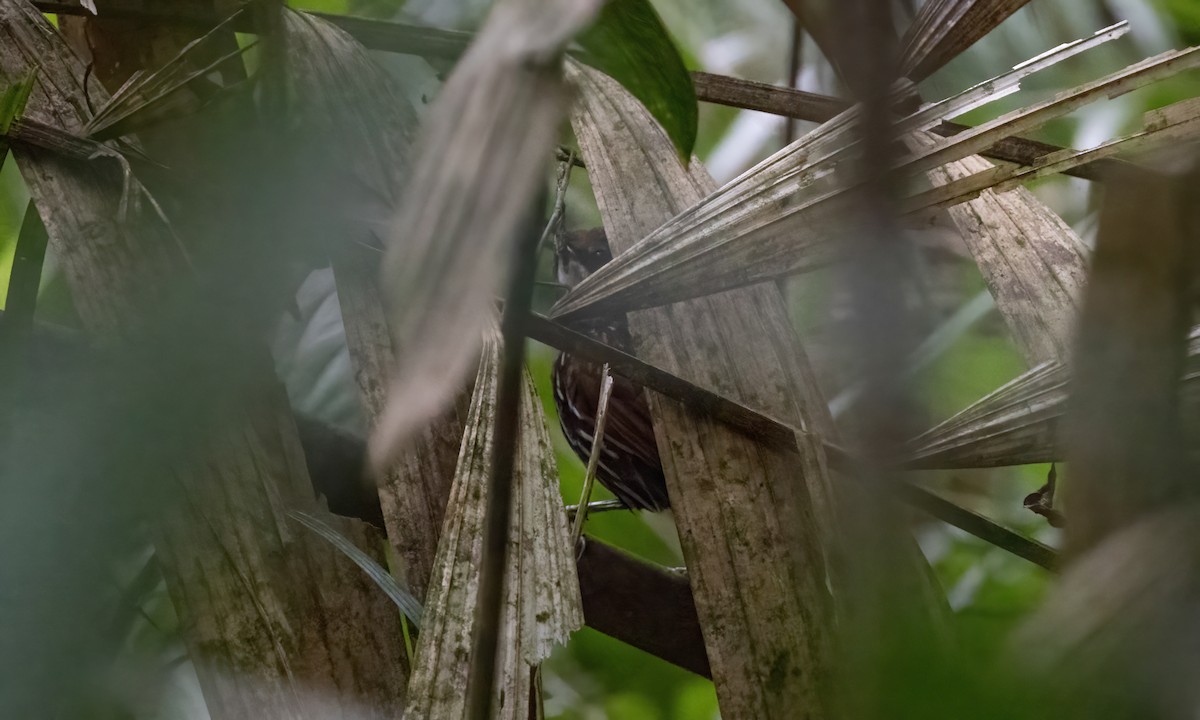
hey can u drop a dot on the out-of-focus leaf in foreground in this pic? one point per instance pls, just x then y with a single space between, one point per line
1116 639
541 596
1119 635
483 150
1123 433
629 43
12 104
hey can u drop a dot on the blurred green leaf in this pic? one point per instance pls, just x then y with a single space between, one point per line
13 198
629 42
12 104
25 276
13 99
1186 14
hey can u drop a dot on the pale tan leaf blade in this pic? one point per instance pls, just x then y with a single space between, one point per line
783 217
482 151
943 29
542 603
413 489
759 586
1034 264
1179 124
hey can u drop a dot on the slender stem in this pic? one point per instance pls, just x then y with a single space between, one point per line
560 198
606 383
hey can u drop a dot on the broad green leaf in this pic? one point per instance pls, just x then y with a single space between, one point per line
629 43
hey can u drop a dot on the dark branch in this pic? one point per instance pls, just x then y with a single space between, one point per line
642 604
814 107
979 526
752 95
763 427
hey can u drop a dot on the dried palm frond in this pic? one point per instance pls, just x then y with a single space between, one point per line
1034 264
541 597
1035 267
151 97
759 585
784 216
1018 424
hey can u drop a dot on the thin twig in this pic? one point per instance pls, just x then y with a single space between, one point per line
560 199
598 506
977 525
563 154
589 479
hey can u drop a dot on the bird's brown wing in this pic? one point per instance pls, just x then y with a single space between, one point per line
628 426
629 464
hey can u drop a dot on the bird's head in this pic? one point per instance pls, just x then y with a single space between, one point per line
580 253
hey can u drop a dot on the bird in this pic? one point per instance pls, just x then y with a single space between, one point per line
629 465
